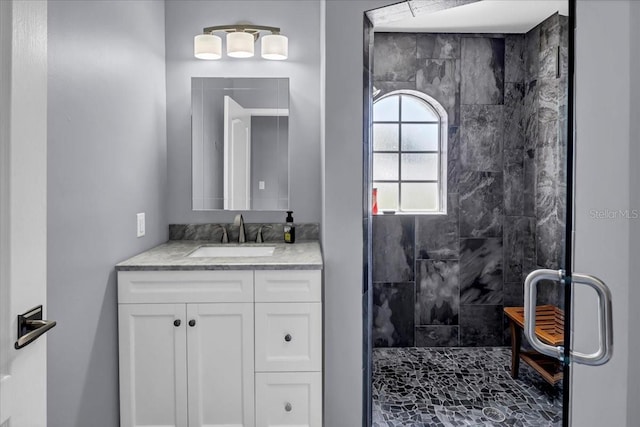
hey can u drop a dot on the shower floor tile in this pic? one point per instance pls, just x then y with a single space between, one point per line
443 387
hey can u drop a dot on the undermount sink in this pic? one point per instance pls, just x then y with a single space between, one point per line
232 251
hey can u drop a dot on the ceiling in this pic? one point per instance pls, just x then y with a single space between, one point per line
468 16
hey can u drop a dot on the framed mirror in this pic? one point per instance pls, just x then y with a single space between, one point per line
240 143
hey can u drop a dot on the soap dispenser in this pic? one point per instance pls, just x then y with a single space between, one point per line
289 229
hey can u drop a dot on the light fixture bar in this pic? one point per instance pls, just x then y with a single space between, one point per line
242 27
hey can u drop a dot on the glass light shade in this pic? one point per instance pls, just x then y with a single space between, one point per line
207 46
275 46
240 45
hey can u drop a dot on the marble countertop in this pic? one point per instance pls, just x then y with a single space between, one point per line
173 255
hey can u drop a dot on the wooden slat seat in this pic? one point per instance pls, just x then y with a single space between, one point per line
549 329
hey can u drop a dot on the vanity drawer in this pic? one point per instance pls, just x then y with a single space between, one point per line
288 337
184 286
289 399
288 286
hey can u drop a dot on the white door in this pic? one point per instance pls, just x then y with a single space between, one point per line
153 365
23 198
221 374
237 156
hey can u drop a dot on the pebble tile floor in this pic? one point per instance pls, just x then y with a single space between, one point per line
443 387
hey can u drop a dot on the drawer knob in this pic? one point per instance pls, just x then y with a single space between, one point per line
287 337
176 323
288 407
192 322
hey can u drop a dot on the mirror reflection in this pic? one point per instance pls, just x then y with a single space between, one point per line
240 143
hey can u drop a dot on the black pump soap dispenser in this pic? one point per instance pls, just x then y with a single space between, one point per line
289 229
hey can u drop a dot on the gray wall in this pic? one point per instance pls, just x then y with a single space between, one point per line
300 21
107 161
633 390
342 215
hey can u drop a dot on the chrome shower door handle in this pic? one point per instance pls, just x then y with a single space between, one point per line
605 317
530 293
605 322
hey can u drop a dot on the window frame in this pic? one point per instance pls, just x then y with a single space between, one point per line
443 137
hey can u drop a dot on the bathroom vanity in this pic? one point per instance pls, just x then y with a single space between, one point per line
221 341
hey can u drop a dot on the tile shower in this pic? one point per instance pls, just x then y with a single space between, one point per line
443 280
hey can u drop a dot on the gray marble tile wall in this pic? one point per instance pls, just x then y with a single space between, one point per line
546 105
443 280
272 232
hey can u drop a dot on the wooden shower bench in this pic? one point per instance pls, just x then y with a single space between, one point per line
549 329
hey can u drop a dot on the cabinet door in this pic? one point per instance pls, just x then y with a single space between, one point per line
220 359
153 377
288 337
289 399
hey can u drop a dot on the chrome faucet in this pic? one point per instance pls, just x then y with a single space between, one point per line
239 221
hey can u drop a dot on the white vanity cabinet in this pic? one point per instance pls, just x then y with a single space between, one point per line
220 348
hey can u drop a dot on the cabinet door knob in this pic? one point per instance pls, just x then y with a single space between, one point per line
192 322
288 407
287 337
176 323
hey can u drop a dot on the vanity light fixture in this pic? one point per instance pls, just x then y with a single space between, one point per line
240 42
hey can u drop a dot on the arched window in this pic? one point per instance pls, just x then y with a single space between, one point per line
410 153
